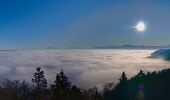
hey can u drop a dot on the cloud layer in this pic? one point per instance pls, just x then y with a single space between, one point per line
84 67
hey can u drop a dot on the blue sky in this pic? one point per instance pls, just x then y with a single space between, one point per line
82 23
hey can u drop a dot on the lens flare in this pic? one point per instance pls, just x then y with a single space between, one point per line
141 92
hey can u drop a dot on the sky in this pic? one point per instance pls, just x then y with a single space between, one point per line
82 23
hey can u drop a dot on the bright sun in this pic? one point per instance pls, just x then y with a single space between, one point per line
140 26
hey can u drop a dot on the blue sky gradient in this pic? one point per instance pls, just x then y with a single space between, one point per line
82 23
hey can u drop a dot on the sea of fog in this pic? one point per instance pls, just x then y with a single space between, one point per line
85 68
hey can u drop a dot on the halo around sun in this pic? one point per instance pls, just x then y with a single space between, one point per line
140 26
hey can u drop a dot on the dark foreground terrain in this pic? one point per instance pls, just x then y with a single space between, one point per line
143 86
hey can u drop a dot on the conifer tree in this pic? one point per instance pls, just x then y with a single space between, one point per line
61 86
40 81
64 80
123 77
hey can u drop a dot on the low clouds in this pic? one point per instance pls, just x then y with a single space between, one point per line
84 67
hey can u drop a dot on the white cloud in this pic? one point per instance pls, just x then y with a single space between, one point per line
84 67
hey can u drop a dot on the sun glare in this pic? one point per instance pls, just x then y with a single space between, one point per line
140 26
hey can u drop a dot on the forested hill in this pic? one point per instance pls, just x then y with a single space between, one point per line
149 86
143 86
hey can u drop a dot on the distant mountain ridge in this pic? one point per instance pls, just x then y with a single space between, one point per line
132 47
117 47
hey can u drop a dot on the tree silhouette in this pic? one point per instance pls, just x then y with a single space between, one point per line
150 86
40 81
76 93
64 83
141 73
120 90
123 77
61 87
